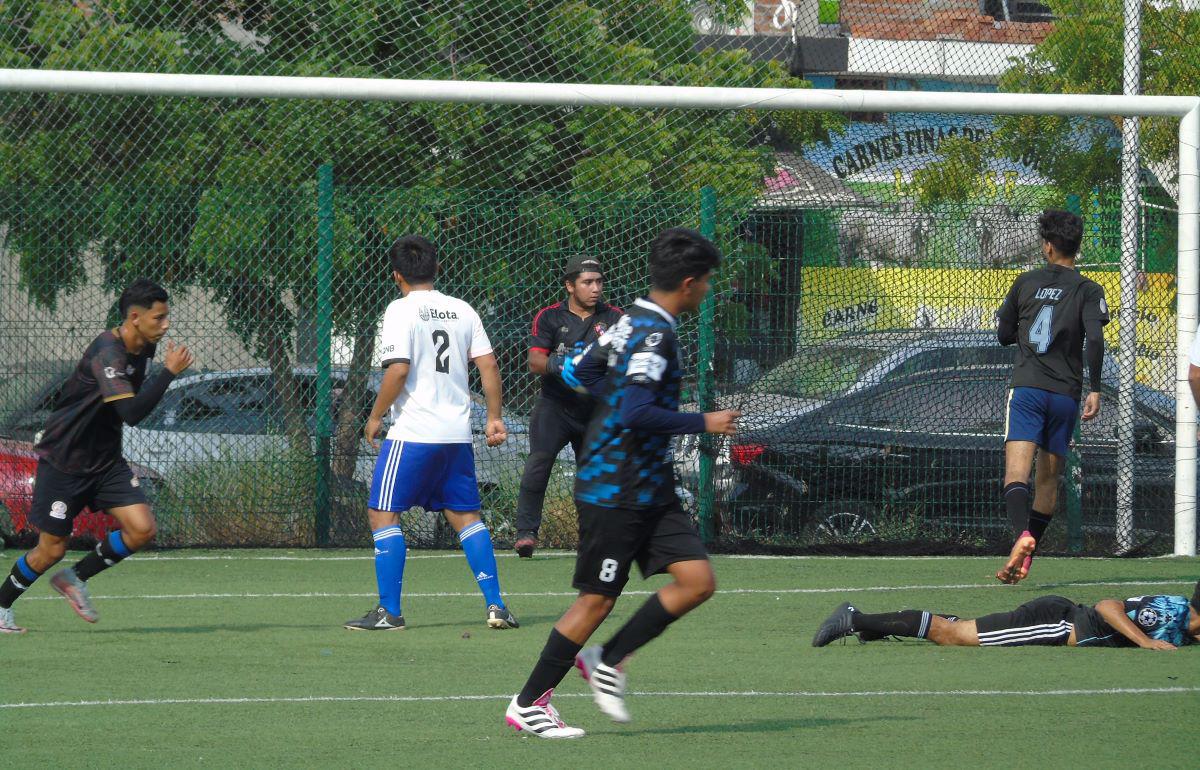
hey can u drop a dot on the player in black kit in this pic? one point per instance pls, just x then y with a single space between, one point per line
1049 313
79 455
625 491
560 416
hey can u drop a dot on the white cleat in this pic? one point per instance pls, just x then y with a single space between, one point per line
607 683
541 719
7 624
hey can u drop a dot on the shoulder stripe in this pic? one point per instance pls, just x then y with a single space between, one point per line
538 317
119 397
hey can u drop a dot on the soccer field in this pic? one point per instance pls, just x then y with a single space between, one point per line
238 658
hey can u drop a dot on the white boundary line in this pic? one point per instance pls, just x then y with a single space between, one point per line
316 556
708 694
724 591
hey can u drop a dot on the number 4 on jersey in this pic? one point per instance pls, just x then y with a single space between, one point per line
1039 333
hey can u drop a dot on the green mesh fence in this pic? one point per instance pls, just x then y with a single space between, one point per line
866 254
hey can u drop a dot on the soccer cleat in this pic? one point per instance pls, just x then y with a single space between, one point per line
607 683
7 624
837 625
541 719
377 619
525 545
501 618
75 591
1016 568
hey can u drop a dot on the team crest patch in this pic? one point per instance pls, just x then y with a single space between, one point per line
654 339
135 482
58 510
1148 617
600 328
564 330
423 313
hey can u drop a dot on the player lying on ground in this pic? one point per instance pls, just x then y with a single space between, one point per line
427 342
79 455
625 491
1158 622
1048 314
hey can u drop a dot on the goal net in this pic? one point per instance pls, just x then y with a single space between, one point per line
870 228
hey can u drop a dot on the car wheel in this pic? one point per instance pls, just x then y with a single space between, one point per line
843 521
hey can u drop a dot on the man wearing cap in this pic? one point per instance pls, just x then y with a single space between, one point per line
560 417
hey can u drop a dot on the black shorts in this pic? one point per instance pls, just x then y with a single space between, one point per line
611 539
59 497
1047 620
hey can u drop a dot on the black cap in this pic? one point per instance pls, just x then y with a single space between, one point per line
581 263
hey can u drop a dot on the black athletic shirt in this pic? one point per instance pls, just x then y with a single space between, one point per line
623 467
1046 313
83 434
558 331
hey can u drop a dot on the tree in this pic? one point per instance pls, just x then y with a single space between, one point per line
220 194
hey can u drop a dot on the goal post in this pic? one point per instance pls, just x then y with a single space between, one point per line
1185 109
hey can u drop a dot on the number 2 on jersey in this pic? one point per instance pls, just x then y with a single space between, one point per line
1039 333
441 361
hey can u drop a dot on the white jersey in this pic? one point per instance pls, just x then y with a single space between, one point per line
437 336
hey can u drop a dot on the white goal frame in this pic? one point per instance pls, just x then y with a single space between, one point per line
1185 108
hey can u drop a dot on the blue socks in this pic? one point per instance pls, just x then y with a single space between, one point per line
390 551
477 546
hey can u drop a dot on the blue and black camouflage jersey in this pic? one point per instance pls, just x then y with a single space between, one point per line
622 467
1159 617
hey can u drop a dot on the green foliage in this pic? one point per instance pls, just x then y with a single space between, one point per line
1084 55
956 177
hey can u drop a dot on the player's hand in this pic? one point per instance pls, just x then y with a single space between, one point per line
178 358
496 432
568 373
1091 405
723 422
1158 644
371 431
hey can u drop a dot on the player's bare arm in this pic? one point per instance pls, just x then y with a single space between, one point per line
1113 613
389 390
538 360
493 394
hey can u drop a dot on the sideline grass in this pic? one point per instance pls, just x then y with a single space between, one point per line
752 637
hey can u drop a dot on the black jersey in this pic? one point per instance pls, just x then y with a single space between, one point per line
1158 617
622 467
558 331
83 435
1048 308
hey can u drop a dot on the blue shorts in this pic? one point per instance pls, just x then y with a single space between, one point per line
1045 418
436 477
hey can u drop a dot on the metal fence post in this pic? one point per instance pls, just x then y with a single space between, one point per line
1074 470
704 383
324 400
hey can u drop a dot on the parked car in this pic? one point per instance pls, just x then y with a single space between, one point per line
931 445
28 395
18 468
234 416
831 369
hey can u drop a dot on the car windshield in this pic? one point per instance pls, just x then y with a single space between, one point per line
820 372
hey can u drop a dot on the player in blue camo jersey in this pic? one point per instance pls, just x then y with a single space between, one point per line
1159 622
625 491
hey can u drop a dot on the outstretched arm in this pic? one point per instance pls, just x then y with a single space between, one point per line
1113 613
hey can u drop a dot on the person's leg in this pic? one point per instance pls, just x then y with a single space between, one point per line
457 496
953 633
1018 466
48 551
694 583
481 555
1046 620
566 639
548 434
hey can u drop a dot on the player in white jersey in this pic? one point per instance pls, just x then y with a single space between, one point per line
427 341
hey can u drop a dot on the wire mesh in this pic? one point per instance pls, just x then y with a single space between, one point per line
866 254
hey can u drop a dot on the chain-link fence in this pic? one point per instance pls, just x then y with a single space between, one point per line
866 253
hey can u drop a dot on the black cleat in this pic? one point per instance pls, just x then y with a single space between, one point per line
501 618
377 619
525 546
836 626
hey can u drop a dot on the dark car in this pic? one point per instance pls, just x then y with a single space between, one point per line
930 447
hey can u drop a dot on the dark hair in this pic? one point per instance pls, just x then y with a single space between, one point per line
680 253
1062 230
141 293
414 258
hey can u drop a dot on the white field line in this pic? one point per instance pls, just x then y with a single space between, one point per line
705 694
720 591
367 556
